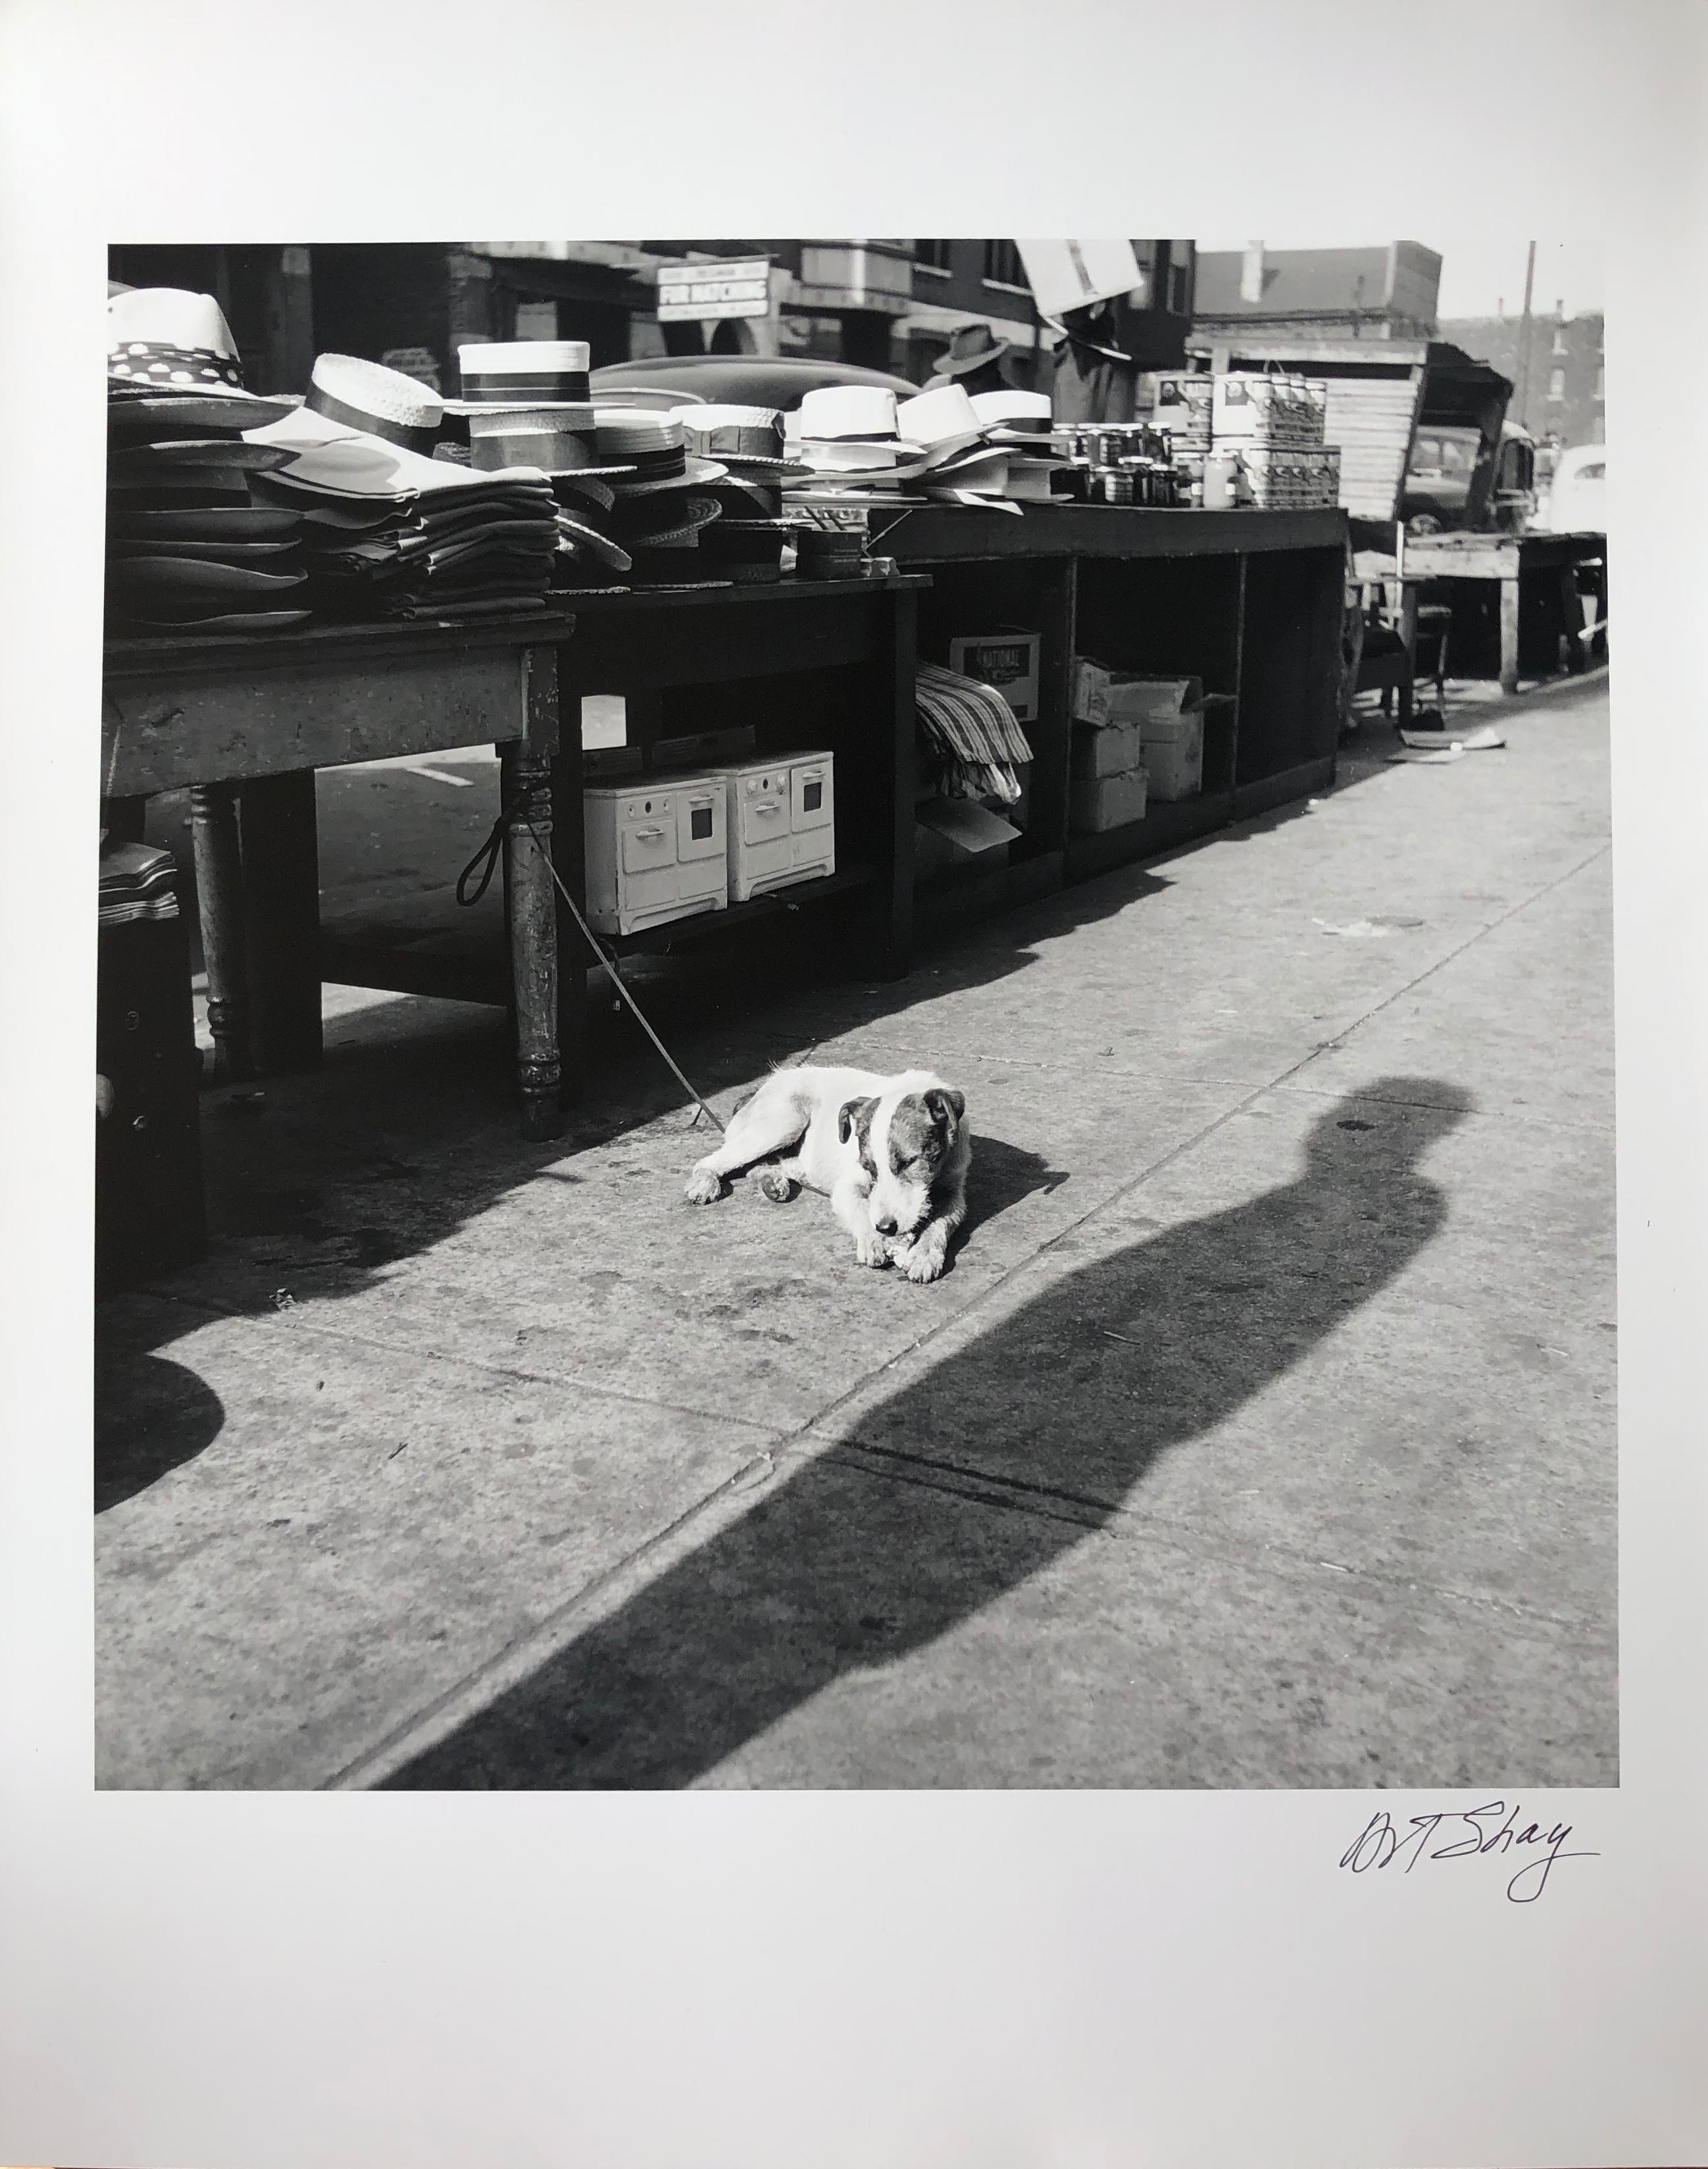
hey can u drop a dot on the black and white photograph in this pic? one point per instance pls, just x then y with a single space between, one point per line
878 1343
807 1075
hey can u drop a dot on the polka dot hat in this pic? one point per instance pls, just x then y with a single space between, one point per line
161 338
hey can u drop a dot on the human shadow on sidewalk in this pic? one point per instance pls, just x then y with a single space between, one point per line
888 1539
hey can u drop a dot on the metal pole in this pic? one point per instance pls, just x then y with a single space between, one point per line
1525 343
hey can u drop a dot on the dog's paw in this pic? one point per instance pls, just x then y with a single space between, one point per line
872 1250
776 1185
704 1188
924 1261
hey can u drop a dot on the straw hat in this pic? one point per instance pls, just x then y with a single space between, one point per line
522 373
167 339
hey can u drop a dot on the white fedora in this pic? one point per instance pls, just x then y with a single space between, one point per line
167 339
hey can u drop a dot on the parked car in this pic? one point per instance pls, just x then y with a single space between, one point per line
1440 472
1576 503
740 380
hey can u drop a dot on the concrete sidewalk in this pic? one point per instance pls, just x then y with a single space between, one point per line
1262 1433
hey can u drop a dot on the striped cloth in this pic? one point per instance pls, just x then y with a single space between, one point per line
971 743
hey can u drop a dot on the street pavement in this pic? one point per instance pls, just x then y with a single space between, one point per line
1260 1435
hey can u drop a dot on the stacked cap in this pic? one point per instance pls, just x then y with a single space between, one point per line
187 549
664 505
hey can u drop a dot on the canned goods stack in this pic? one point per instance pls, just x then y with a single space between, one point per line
1268 409
1286 476
1182 410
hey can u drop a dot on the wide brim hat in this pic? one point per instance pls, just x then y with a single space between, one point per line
1021 419
694 475
747 440
860 411
648 523
545 446
163 526
167 342
590 539
138 416
972 358
749 497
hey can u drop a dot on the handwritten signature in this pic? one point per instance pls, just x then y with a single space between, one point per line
1383 1841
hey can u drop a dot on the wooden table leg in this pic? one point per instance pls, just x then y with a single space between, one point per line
1509 634
531 903
281 903
219 881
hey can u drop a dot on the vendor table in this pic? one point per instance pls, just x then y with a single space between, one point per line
244 722
1250 601
1539 588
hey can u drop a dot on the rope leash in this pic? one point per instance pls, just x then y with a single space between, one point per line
480 870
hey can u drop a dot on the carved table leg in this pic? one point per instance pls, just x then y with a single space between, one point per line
531 903
219 881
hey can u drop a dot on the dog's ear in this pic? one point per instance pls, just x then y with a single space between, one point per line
853 1114
946 1108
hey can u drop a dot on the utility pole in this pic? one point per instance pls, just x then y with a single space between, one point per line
1525 343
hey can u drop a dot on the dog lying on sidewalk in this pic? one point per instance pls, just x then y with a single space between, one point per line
891 1154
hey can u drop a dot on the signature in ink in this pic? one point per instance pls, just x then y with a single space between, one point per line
1492 1828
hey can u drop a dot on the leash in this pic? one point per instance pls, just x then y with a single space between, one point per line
483 866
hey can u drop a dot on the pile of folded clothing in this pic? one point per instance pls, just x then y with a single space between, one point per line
665 502
526 404
969 742
389 530
187 549
137 881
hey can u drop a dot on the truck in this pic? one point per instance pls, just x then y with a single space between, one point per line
1421 426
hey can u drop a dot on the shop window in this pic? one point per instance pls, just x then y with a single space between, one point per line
1556 384
1002 266
536 320
933 255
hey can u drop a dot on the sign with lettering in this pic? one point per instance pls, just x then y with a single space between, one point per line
704 293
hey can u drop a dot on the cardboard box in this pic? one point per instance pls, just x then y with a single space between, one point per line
1089 694
1173 753
1006 658
1095 803
1106 748
1134 700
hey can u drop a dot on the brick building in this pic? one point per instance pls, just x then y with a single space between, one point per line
1558 378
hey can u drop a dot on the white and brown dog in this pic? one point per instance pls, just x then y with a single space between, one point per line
890 1153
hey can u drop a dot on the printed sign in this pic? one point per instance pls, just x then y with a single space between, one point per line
705 293
1070 274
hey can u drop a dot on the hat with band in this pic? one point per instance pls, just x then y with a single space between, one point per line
522 373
